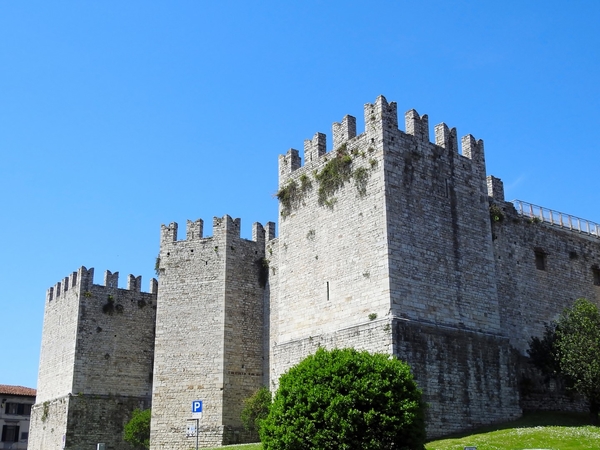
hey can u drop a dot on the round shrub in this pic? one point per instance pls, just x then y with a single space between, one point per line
346 399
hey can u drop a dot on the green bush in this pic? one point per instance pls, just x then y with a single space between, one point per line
137 430
346 399
256 409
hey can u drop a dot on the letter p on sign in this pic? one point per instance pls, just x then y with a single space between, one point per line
197 406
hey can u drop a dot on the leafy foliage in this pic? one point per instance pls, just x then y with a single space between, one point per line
542 352
292 194
496 214
578 350
570 349
256 409
346 399
137 430
332 177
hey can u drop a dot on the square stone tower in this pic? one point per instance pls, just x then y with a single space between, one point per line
385 245
95 362
210 331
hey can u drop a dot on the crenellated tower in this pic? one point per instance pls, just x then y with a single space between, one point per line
95 362
385 245
210 330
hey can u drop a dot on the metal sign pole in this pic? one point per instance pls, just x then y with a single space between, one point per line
197 431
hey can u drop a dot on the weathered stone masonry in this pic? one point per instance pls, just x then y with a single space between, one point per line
388 243
96 361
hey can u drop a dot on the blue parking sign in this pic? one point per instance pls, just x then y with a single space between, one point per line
197 406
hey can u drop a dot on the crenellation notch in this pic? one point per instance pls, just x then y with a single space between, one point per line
343 131
111 280
315 148
495 188
417 126
168 233
446 137
134 283
195 229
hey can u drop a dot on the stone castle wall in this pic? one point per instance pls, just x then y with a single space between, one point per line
209 337
439 238
468 378
48 424
530 296
97 347
57 355
386 243
332 257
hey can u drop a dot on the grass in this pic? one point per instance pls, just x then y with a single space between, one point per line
555 431
239 447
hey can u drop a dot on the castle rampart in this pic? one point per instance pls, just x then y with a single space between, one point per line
410 244
213 349
389 242
88 357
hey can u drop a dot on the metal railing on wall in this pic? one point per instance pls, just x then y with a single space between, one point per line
557 218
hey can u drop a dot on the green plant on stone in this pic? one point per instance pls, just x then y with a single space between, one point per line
496 214
292 194
45 411
361 176
109 306
332 177
305 183
157 266
372 316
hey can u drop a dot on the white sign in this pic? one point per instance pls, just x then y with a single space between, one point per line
190 429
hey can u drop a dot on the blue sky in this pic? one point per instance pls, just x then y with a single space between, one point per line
116 117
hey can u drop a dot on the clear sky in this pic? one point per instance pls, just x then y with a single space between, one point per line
117 117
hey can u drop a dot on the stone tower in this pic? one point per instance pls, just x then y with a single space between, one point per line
385 245
95 362
210 331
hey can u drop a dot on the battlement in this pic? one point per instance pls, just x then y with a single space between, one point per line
83 280
222 226
381 121
495 188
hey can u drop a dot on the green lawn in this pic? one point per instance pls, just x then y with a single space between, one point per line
533 431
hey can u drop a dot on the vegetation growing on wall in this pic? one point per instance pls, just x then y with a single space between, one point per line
332 177
45 411
157 266
334 174
292 194
109 306
361 176
496 214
